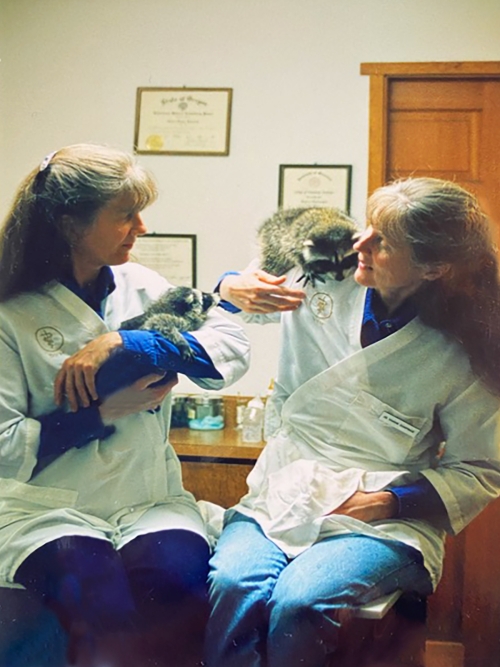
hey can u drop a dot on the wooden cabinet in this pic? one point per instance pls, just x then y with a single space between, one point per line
215 464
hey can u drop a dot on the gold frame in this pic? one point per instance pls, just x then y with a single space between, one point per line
183 121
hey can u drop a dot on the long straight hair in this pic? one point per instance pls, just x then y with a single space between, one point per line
54 206
445 227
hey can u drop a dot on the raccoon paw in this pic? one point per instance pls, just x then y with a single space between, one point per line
187 354
133 323
311 277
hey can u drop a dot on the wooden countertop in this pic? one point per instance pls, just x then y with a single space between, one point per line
224 443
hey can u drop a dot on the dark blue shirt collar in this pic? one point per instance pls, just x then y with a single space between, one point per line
93 294
377 324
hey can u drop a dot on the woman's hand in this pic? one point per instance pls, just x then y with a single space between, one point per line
259 292
135 398
369 507
76 379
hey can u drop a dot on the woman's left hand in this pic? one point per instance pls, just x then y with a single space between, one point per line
144 394
76 379
369 507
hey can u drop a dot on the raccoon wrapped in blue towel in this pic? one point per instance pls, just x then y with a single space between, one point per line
319 240
178 310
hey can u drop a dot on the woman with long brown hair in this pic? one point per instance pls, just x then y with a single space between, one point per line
95 519
388 395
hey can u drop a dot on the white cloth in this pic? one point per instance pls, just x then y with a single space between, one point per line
383 409
116 488
294 502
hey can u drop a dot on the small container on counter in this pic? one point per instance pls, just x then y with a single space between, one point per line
240 405
205 412
179 418
253 421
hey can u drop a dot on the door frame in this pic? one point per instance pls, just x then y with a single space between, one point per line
381 75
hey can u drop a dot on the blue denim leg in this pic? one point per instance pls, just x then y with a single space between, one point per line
338 572
244 570
257 593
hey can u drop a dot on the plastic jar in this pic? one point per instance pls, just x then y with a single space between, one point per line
253 421
179 417
205 413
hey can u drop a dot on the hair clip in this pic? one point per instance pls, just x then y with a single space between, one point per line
46 161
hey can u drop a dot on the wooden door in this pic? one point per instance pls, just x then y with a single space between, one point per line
443 120
449 128
437 119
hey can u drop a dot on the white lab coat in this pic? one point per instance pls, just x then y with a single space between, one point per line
115 489
359 419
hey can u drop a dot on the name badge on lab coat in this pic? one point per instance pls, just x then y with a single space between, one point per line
398 424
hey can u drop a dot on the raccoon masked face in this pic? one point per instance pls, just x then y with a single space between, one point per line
185 300
316 262
208 300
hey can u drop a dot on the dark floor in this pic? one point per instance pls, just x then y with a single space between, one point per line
31 636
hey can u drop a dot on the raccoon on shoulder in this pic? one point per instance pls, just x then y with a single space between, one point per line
319 240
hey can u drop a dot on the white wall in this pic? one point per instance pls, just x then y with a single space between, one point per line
70 69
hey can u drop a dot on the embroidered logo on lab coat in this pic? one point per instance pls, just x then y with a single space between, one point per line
49 339
321 305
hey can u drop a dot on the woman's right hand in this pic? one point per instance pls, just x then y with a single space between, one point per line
75 380
135 398
256 291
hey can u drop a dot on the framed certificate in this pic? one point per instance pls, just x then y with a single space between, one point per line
315 186
183 121
171 255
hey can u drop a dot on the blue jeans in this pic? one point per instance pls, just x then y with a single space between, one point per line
270 610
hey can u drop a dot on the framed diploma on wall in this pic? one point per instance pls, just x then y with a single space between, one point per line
315 185
171 255
183 121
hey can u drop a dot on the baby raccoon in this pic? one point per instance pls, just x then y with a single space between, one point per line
177 310
319 240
